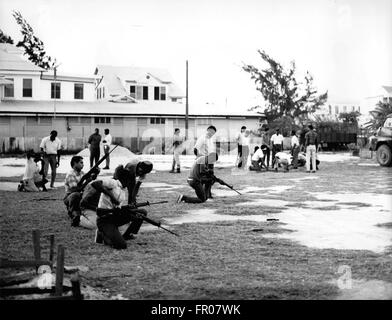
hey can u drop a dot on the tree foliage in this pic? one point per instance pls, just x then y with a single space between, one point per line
4 38
379 115
350 117
32 45
284 95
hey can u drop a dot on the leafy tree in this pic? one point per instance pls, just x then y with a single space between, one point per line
284 95
32 45
350 117
379 115
4 38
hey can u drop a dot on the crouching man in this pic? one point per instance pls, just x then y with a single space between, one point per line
200 176
116 200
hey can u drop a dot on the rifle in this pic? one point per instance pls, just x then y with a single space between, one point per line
95 169
105 212
220 181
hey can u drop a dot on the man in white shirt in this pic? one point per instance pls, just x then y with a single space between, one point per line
239 139
107 141
50 146
244 150
108 223
277 144
284 159
205 145
257 159
294 148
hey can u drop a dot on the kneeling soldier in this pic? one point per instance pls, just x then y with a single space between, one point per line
200 175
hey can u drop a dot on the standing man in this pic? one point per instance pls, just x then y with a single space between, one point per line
94 141
277 144
245 149
266 146
177 140
239 139
107 141
50 146
199 175
294 148
311 148
205 145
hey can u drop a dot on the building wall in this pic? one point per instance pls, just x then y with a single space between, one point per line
21 133
42 88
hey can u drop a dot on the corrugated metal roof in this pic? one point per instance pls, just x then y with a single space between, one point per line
159 108
11 59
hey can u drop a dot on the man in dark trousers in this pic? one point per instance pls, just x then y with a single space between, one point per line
94 141
108 224
200 174
50 147
311 142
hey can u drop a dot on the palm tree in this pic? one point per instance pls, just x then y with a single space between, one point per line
379 114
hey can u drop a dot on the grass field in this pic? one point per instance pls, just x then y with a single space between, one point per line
227 259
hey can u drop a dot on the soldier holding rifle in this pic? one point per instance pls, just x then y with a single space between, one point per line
201 175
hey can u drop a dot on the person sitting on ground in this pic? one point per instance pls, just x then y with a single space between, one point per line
33 178
73 192
282 159
257 160
108 224
200 173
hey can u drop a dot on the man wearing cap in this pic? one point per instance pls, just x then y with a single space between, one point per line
51 146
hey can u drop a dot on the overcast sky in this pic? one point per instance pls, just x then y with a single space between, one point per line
345 44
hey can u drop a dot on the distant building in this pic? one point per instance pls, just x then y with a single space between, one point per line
140 106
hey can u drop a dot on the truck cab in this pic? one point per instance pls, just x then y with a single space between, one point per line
382 143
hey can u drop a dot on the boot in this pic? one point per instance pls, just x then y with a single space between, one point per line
178 170
173 165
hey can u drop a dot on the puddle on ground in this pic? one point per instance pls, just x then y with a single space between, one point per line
367 290
305 178
352 225
209 215
13 186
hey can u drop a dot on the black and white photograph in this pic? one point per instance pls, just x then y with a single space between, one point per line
195 151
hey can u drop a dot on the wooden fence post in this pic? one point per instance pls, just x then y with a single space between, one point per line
59 271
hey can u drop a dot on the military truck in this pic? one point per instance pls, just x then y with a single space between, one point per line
382 143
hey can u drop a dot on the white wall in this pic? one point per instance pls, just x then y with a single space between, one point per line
42 88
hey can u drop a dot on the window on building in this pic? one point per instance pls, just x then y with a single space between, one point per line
132 91
47 121
159 93
157 120
145 93
344 109
78 91
359 108
385 100
27 88
9 89
330 109
97 95
336 109
353 108
102 120
55 90
103 92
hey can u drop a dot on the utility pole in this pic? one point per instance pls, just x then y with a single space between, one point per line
186 103
55 92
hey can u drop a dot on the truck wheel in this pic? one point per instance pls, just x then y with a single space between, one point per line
384 155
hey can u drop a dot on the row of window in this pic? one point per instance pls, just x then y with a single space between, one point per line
55 89
344 110
141 92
